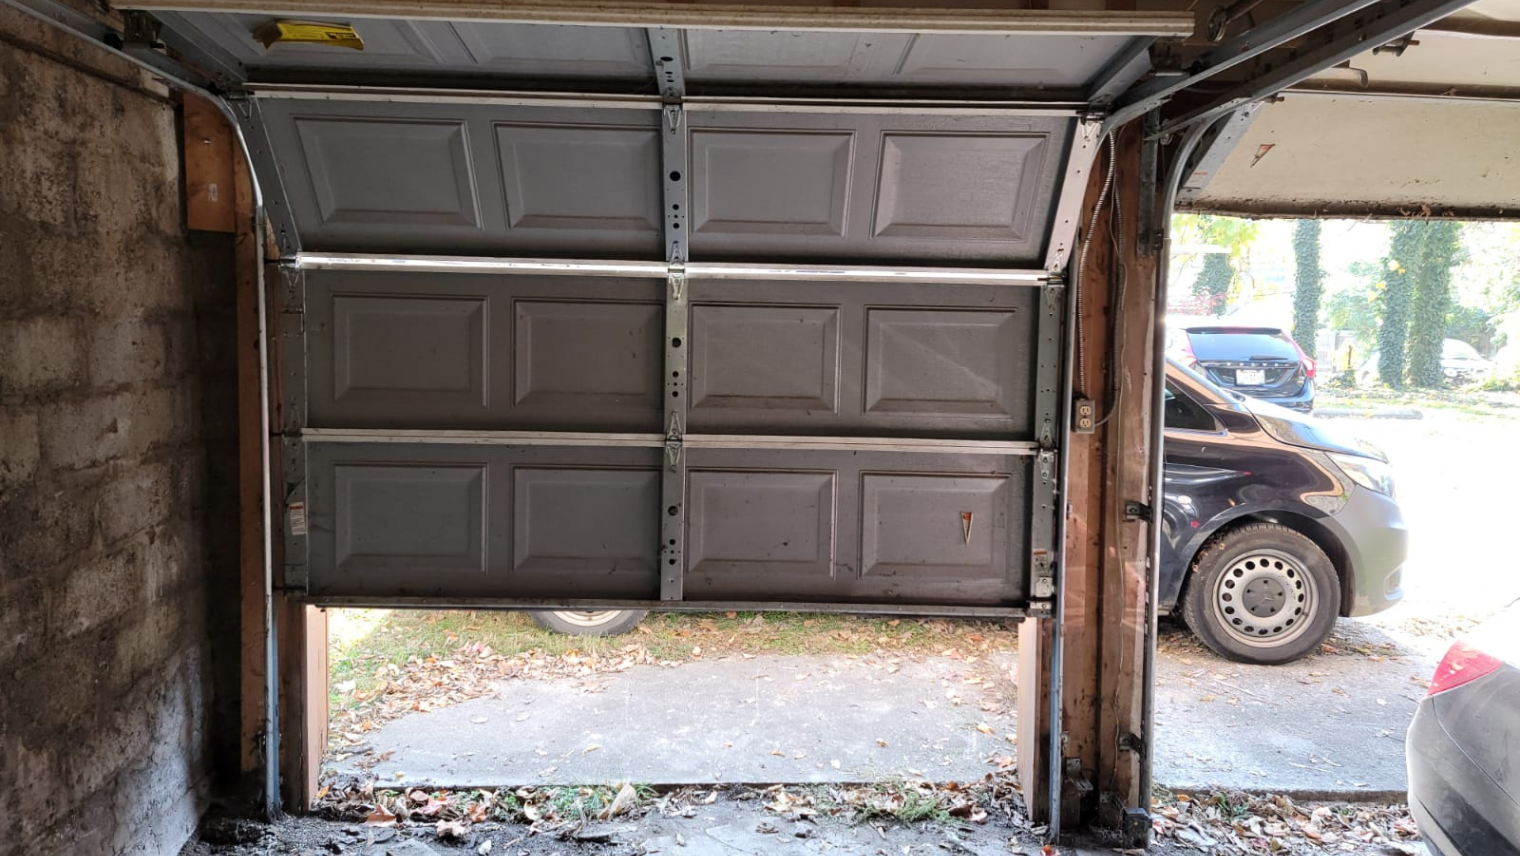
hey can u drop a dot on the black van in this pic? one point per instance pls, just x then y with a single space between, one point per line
1273 523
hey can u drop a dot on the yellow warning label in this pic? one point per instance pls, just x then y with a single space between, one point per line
309 32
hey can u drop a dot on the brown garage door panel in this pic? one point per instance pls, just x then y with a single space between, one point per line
908 527
853 186
502 179
784 526
863 358
469 178
389 349
423 520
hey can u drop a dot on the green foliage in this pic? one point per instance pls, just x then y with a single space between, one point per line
1220 270
1395 299
1232 233
1472 325
1439 245
1308 284
1213 283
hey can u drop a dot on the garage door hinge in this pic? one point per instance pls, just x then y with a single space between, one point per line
1042 608
1132 743
1052 291
673 454
1137 511
1047 460
1042 573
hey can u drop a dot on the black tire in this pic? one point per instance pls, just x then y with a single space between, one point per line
602 622
1262 594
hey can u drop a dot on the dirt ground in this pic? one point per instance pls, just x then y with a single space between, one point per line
747 822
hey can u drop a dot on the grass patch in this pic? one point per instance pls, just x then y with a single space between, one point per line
1474 403
368 649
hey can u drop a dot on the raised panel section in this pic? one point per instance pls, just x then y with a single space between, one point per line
768 55
412 351
1046 61
585 520
949 363
424 518
383 171
548 50
580 177
959 187
777 358
588 354
777 182
761 522
917 525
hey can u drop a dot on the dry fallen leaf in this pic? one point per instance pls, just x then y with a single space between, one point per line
381 816
984 728
625 800
451 829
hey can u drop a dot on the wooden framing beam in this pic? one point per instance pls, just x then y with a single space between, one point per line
1105 573
255 728
1125 574
807 16
211 203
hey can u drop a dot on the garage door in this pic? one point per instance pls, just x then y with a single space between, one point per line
772 319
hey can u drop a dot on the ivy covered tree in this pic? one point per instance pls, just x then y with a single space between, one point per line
1220 270
1440 241
1393 307
1213 282
1308 284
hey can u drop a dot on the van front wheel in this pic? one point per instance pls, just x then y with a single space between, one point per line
598 622
1262 594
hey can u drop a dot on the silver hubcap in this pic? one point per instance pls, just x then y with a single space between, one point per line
1265 599
588 618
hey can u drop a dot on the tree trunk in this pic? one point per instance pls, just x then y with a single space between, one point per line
1214 281
1432 299
1308 286
1403 250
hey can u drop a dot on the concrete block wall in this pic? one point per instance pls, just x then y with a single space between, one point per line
118 532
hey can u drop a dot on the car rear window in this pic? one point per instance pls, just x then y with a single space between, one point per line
1222 345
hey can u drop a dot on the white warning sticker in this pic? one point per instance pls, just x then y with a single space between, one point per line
297 516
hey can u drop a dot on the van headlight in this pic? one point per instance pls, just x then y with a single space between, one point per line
1370 473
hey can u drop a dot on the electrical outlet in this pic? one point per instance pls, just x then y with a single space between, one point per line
1085 416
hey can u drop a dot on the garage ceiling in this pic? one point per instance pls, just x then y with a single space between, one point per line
1416 128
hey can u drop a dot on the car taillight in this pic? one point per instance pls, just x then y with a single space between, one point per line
1307 360
1463 663
1187 357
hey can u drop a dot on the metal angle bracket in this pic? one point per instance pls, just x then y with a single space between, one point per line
668 55
674 160
666 50
1085 140
1042 564
1214 149
261 152
290 332
673 480
295 515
